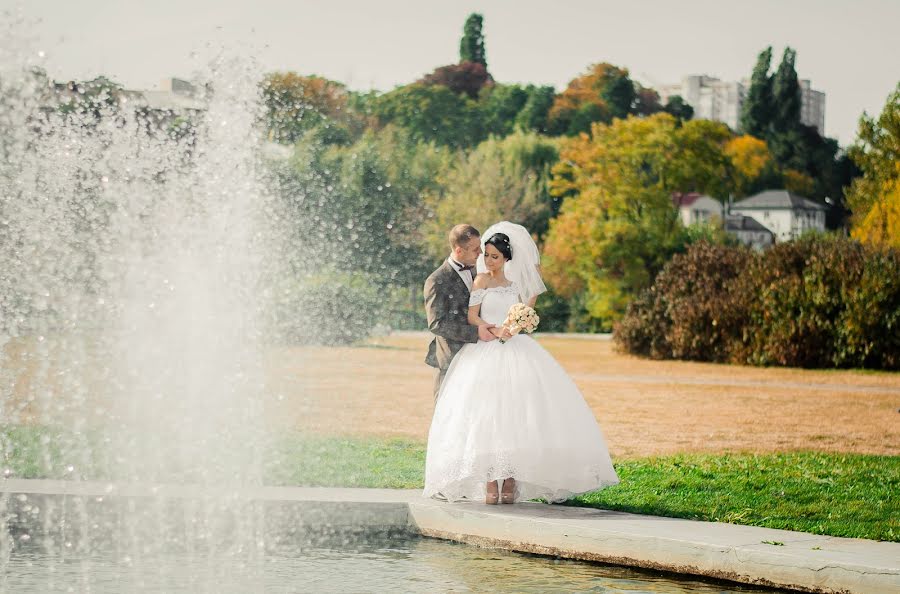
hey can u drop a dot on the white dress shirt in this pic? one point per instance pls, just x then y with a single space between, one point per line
466 275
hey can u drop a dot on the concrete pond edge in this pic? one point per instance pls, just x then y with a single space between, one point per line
742 554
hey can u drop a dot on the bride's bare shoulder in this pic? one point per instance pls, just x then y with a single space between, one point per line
481 281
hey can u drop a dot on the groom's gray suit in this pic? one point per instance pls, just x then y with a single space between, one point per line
447 308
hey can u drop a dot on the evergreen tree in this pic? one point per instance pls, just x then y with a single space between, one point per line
679 108
471 46
619 95
758 107
786 94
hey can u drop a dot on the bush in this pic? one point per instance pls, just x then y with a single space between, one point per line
801 288
694 308
820 301
327 309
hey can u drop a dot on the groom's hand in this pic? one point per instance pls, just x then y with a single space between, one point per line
485 334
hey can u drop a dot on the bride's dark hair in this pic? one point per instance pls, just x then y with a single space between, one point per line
501 242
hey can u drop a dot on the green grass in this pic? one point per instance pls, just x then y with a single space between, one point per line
341 462
836 494
823 493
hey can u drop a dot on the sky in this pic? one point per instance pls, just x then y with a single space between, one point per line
849 49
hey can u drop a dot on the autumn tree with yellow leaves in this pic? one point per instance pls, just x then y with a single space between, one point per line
874 198
617 227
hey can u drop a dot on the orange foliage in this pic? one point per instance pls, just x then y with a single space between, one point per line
586 88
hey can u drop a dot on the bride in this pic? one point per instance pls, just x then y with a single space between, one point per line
507 413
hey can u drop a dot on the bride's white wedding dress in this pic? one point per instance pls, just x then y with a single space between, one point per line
510 410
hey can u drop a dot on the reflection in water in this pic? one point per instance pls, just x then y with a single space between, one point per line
376 565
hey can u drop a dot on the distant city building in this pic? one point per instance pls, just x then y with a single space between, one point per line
175 96
722 101
786 214
812 106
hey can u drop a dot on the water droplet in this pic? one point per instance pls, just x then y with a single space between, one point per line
41 54
70 468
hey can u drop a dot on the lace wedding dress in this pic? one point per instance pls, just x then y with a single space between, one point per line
510 410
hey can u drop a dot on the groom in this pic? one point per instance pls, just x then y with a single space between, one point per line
447 302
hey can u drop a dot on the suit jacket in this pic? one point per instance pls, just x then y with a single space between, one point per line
447 309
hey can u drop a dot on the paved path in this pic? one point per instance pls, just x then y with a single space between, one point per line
746 554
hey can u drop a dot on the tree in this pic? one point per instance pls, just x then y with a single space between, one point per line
432 114
533 115
500 105
502 179
646 101
506 108
471 46
296 105
617 227
602 93
93 98
757 114
679 108
786 94
467 78
751 163
618 94
808 162
874 198
353 253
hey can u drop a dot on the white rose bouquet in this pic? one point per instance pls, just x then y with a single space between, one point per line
520 318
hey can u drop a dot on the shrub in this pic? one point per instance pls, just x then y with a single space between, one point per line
819 301
327 309
694 308
801 288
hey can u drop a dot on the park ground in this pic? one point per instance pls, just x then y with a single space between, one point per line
382 389
809 450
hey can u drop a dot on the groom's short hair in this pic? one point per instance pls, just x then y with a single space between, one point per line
461 234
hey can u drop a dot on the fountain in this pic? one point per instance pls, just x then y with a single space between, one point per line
133 250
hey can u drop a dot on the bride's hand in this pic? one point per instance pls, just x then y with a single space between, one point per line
502 333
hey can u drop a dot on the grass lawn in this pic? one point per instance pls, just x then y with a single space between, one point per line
849 495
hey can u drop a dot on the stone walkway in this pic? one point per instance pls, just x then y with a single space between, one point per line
745 554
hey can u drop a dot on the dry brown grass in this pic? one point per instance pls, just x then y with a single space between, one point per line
645 407
383 389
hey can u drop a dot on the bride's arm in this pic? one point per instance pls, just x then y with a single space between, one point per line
474 317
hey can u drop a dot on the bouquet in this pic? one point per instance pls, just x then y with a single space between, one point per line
520 318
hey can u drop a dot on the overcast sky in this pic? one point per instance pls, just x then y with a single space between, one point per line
849 49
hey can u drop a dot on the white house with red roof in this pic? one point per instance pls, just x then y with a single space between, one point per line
695 208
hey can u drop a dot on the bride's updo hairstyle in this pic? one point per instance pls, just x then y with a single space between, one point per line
501 242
